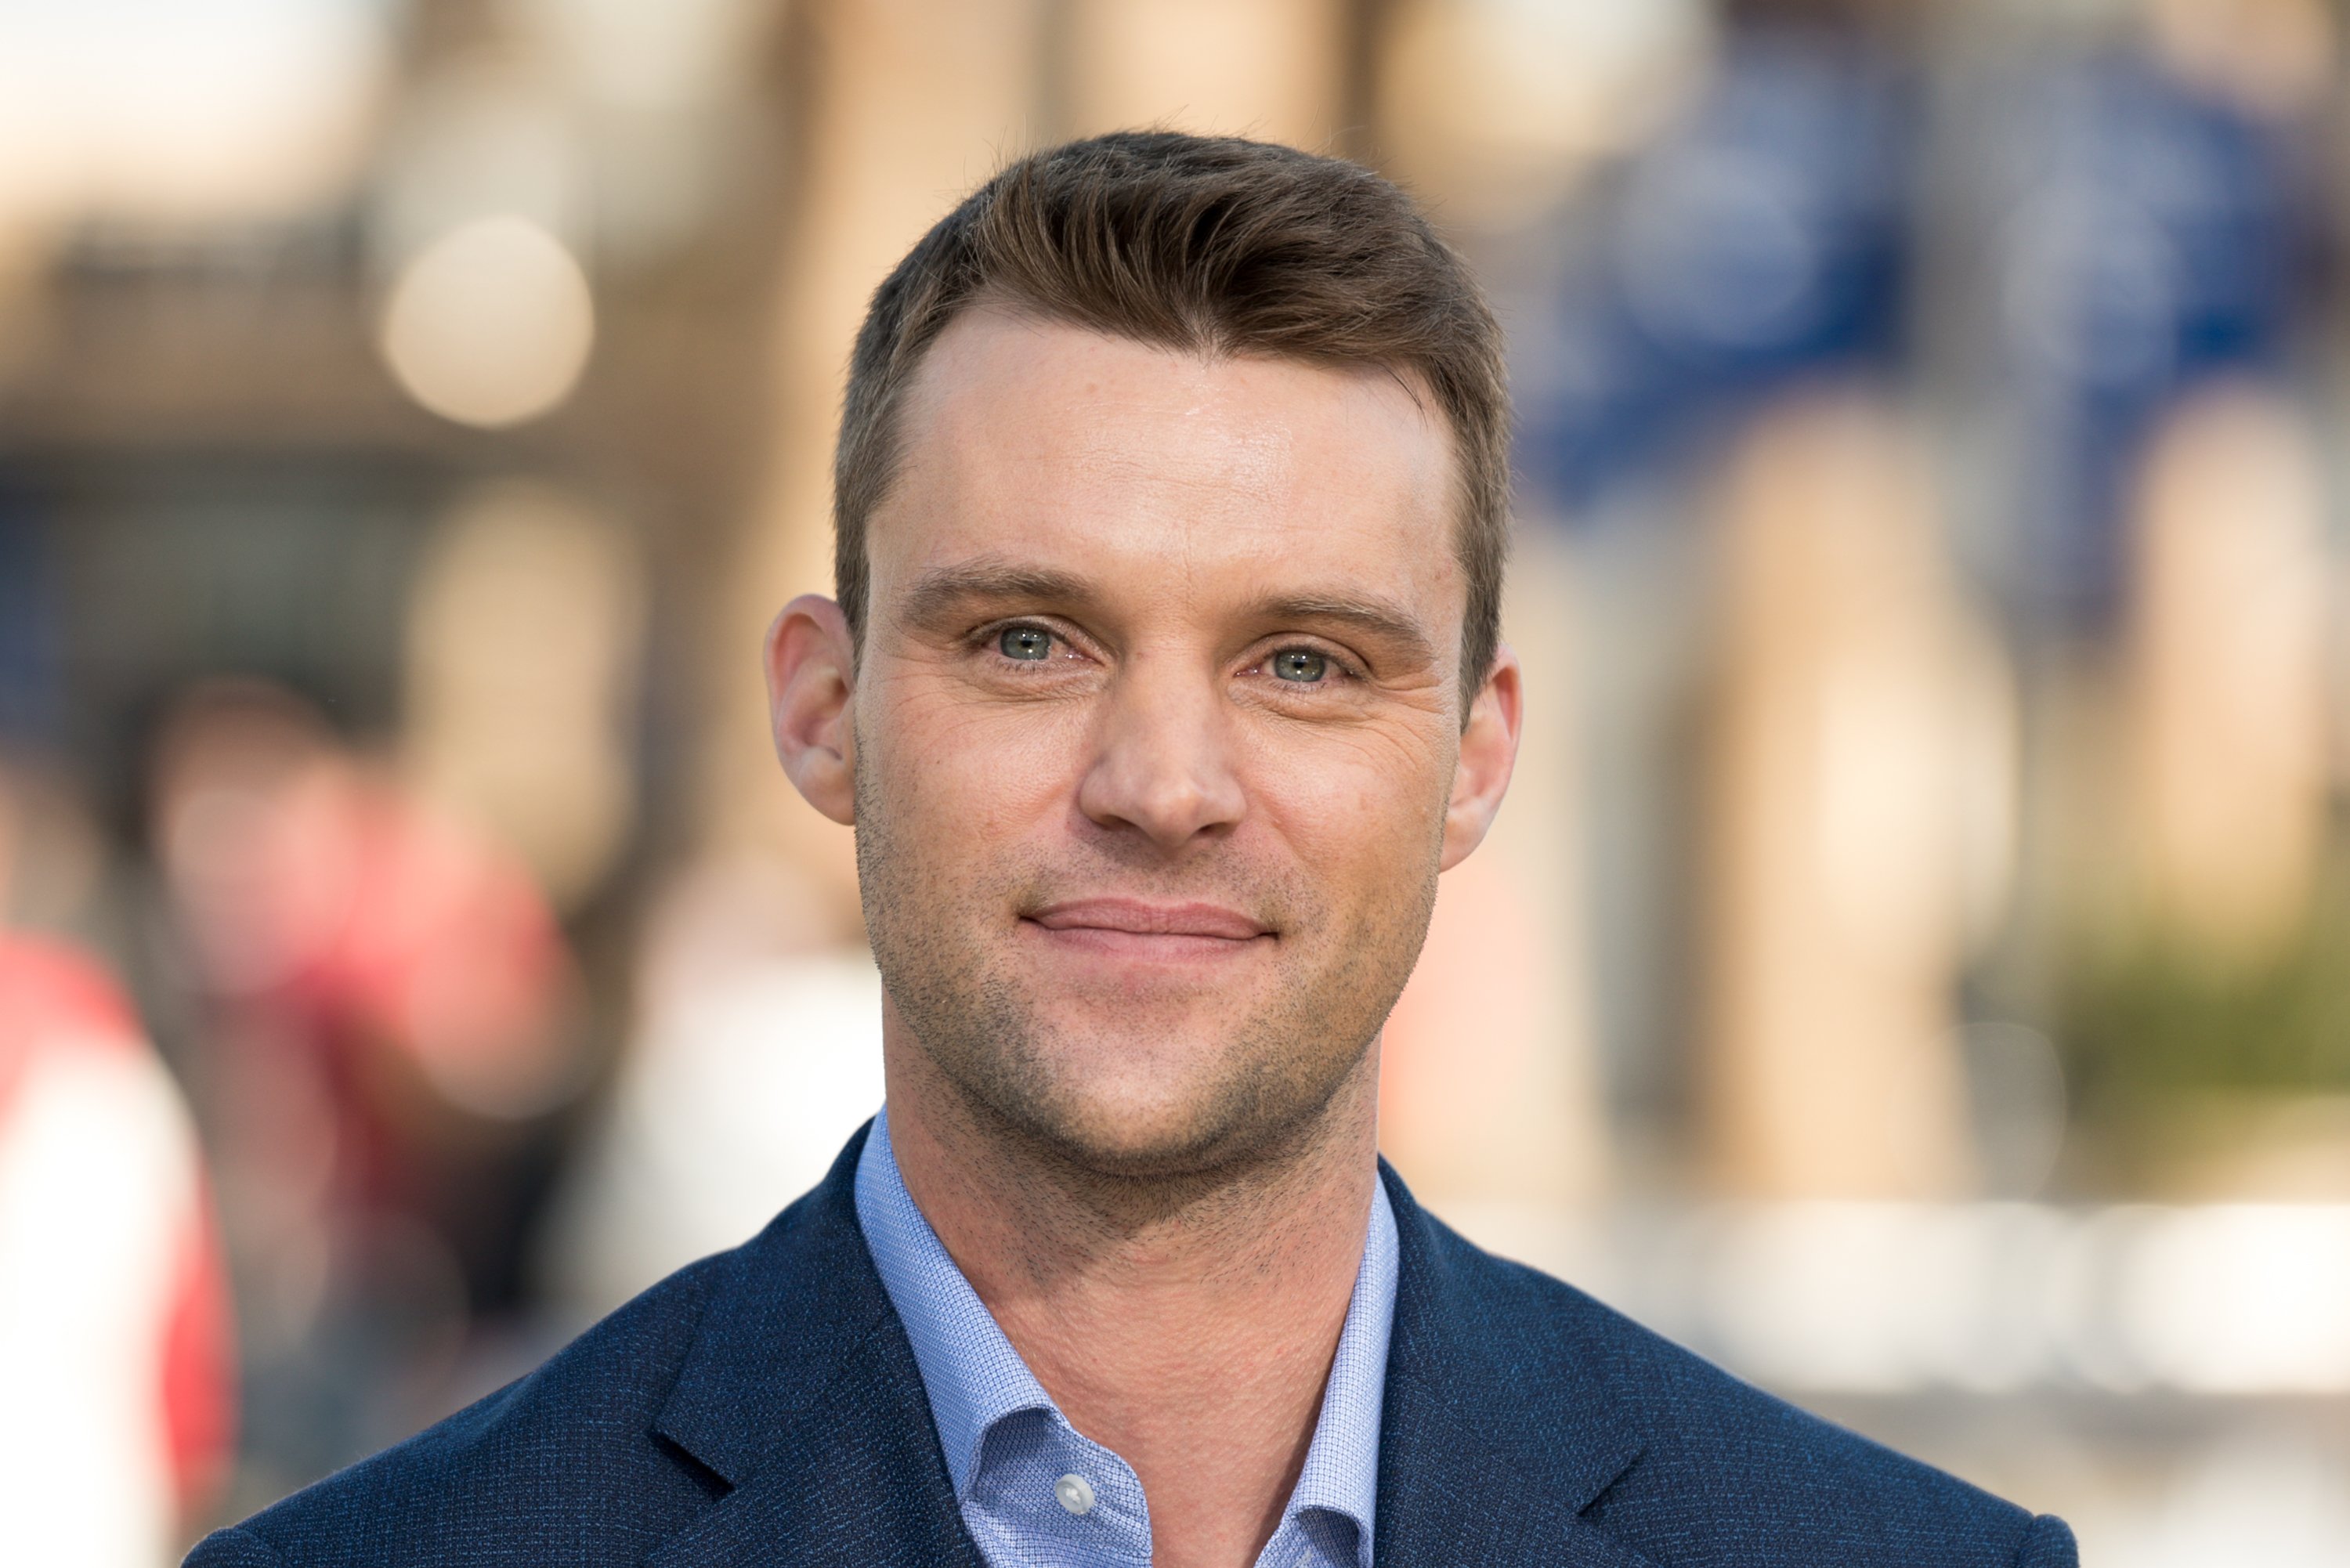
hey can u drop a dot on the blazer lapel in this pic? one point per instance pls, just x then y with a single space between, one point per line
801 1396
859 1488
1494 1435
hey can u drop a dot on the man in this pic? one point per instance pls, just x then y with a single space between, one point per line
1163 680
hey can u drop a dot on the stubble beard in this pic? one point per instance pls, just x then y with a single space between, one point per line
943 950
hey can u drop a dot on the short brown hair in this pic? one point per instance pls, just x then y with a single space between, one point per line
1215 245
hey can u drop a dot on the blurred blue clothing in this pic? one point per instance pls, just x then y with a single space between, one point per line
1032 1488
765 1406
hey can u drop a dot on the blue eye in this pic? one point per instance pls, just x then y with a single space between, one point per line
1027 643
1302 664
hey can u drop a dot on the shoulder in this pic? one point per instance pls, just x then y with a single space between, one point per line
631 1433
1726 1473
565 1459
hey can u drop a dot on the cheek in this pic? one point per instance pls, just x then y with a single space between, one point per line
968 777
1361 809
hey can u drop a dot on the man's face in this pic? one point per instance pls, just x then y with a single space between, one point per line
1154 732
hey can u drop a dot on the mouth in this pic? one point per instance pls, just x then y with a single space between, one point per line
1141 929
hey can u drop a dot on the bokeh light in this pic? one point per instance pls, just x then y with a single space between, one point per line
491 323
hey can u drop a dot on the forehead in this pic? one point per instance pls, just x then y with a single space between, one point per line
1096 453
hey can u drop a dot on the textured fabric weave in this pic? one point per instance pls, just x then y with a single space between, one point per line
1006 1443
764 1409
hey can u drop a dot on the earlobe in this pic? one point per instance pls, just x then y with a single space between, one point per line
1489 751
811 675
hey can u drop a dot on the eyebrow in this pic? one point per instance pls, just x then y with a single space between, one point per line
1380 618
937 594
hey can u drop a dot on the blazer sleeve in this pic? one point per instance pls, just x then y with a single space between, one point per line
2048 1543
232 1549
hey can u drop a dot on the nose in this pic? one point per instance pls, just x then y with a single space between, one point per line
1163 766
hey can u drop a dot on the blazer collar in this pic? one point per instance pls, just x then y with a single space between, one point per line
1498 1429
802 1397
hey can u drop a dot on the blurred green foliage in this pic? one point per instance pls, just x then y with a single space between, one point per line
2148 1020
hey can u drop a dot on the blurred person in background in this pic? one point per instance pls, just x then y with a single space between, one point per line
117 1366
387 1020
757 1050
1163 681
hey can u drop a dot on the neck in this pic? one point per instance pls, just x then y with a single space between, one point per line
1186 1322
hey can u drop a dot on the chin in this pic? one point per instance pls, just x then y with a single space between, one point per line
1132 1086
1145 1115
1140 1127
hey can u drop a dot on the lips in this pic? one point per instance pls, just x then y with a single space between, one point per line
1142 917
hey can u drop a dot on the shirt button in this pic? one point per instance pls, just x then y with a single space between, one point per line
1074 1493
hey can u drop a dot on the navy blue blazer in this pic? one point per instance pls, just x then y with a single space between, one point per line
762 1407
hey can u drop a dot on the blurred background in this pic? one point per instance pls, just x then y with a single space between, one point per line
1910 968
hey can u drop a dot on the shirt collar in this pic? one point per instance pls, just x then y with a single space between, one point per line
1341 1474
975 1378
972 1376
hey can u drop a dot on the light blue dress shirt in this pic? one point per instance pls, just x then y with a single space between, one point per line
1033 1492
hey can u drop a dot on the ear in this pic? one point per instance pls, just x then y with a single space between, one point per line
1489 750
811 675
